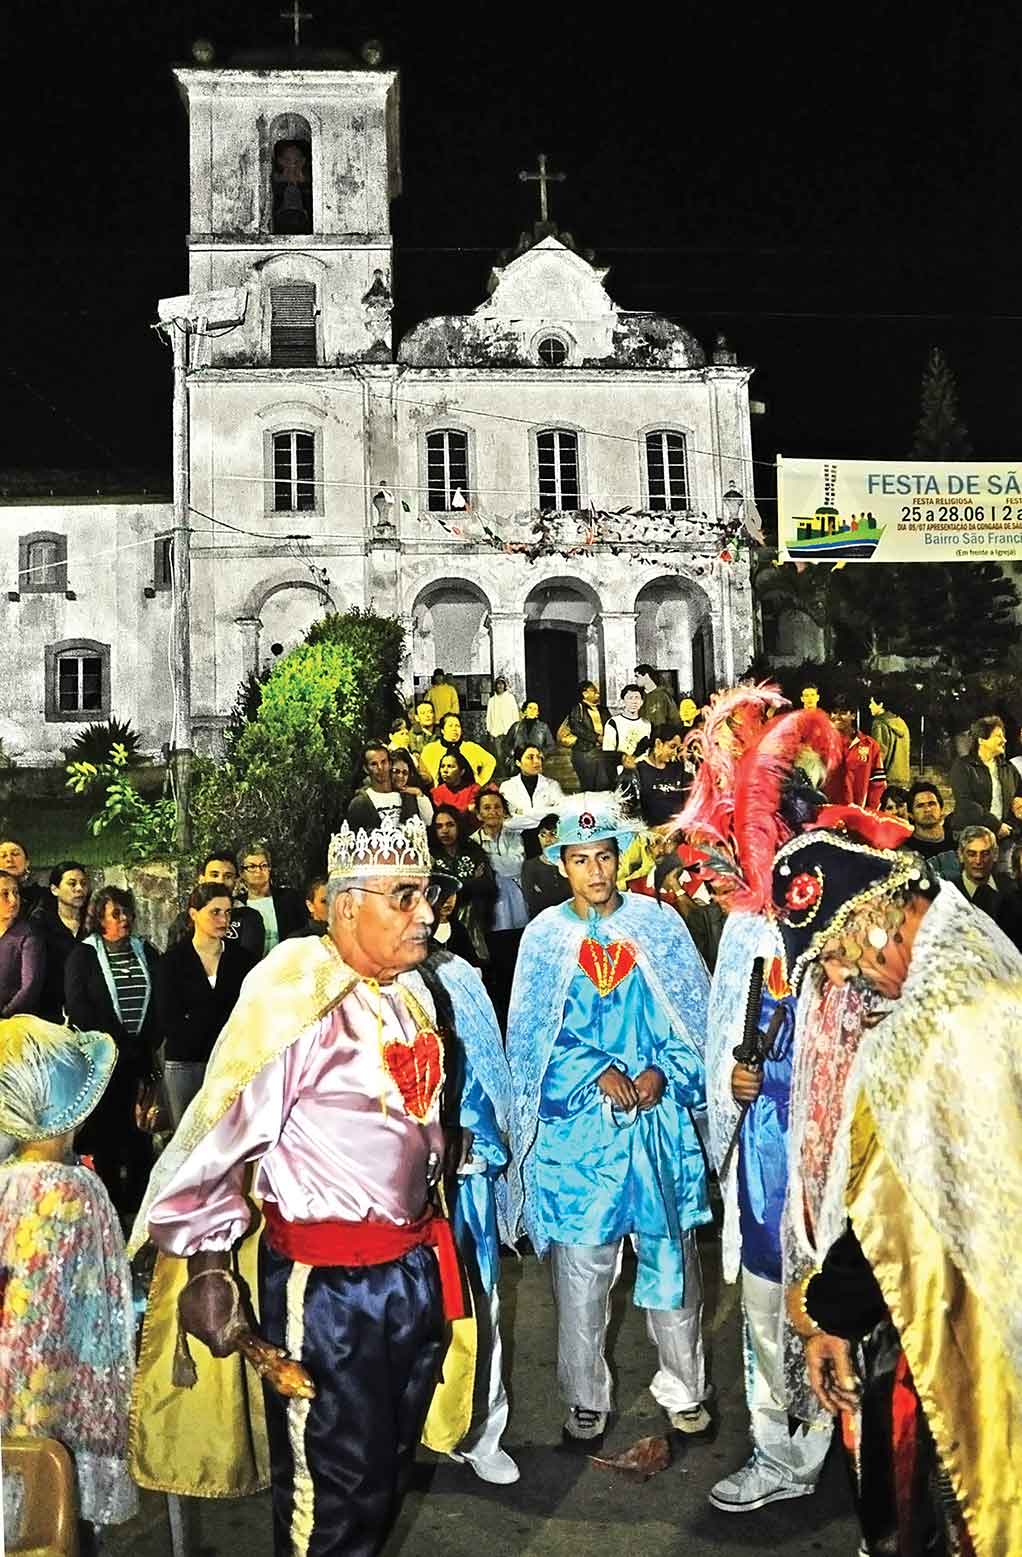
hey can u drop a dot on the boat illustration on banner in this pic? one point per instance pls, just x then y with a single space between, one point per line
827 534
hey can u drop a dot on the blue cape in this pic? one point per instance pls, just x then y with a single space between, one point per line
547 963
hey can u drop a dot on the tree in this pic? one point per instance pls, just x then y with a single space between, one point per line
290 769
940 432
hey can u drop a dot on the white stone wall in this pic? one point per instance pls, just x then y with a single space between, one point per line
109 565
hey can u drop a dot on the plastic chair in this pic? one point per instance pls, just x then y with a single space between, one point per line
49 1523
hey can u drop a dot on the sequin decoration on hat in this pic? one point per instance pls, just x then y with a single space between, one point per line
590 818
821 879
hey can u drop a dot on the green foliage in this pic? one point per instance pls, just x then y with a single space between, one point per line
147 827
290 768
97 741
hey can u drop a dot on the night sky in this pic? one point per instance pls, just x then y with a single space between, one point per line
834 187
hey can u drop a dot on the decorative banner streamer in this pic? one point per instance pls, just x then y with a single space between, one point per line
898 511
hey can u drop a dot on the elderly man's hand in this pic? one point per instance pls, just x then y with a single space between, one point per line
831 1374
619 1088
1016 806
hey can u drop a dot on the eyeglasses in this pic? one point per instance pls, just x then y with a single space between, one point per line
406 898
255 867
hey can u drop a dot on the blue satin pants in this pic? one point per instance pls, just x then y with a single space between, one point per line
370 1336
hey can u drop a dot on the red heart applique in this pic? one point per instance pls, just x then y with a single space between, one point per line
417 1068
607 966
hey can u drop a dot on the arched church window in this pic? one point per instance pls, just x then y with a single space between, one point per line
291 175
294 472
557 467
447 470
667 471
293 326
552 351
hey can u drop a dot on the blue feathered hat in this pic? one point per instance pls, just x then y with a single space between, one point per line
51 1078
590 818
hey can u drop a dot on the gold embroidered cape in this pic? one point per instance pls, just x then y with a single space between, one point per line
210 1440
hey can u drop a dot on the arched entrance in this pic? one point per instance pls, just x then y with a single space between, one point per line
451 629
563 644
276 618
674 632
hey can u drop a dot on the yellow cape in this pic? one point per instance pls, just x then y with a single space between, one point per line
210 1440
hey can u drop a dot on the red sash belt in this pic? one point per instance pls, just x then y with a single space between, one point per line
369 1243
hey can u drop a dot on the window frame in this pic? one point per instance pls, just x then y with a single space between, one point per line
580 464
469 490
270 434
552 333
55 655
275 283
29 585
163 583
665 429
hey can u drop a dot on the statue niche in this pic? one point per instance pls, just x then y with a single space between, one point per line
292 186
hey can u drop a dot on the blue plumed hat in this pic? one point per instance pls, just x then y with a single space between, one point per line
821 879
590 818
51 1078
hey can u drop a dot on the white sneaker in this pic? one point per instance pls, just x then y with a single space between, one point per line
498 1468
754 1486
695 1420
585 1425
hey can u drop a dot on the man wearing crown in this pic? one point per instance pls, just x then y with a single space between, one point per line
605 1044
323 1100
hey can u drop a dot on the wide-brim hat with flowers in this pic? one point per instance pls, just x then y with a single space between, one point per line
821 878
51 1078
590 818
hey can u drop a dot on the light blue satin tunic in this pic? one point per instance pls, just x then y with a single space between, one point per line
602 1174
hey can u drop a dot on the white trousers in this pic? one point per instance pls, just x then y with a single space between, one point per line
483 1438
796 1456
583 1279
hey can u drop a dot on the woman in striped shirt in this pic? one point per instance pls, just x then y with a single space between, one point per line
108 988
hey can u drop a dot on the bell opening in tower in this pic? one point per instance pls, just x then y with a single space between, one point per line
292 186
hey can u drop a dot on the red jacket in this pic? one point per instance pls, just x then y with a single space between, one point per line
462 799
861 779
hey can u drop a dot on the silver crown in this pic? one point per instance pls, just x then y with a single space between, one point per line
392 849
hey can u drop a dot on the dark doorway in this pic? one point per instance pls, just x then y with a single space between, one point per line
552 674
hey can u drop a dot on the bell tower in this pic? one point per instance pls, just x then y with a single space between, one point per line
292 174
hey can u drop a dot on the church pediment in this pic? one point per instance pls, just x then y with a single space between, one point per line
549 308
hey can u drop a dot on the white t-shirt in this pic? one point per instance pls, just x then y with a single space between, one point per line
391 801
622 734
268 914
996 798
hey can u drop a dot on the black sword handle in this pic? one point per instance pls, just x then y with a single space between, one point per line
748 1052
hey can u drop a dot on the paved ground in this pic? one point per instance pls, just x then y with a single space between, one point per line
563 1504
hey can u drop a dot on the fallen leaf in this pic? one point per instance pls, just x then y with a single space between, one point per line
644 1459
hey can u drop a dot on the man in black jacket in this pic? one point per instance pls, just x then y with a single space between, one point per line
246 926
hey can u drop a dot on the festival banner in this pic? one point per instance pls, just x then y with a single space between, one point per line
898 511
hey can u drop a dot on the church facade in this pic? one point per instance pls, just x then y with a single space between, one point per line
546 488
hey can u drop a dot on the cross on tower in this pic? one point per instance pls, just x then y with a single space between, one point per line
296 16
542 178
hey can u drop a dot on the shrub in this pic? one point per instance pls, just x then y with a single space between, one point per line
147 827
97 741
289 771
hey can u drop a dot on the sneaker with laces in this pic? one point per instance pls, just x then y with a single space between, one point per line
754 1486
585 1426
695 1420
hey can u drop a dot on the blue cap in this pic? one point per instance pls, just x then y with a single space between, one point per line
51 1078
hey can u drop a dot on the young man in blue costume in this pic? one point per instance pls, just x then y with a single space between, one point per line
605 1044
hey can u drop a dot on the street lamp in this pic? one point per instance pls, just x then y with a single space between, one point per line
181 318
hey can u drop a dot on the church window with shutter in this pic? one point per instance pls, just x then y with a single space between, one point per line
666 471
293 325
447 475
557 468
